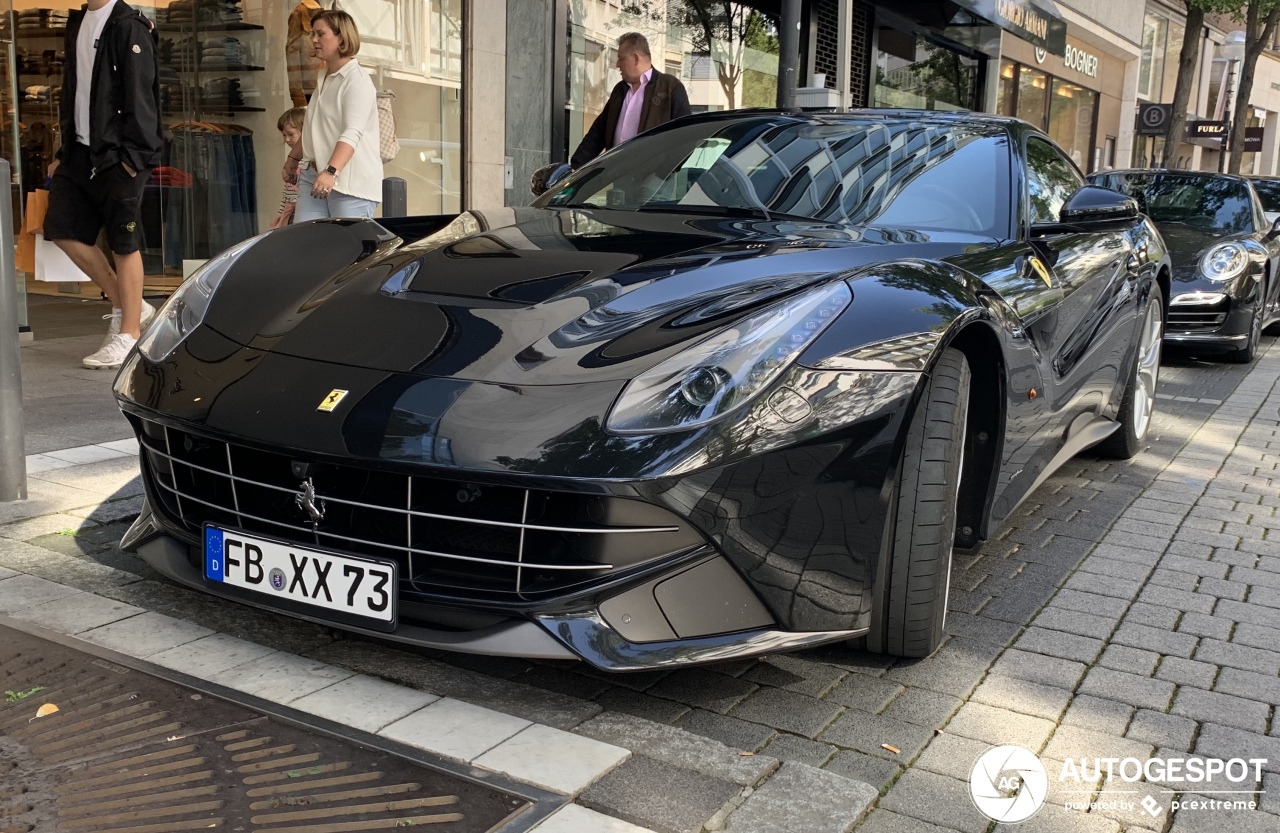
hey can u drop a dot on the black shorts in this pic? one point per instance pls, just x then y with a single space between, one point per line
81 205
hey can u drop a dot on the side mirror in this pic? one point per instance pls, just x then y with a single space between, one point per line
1275 229
546 177
1092 205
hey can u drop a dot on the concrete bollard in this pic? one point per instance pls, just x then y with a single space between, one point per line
395 197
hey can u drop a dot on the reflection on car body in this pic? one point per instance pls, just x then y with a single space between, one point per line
1225 252
739 385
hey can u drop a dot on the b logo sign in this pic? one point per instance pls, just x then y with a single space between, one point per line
1153 119
1008 784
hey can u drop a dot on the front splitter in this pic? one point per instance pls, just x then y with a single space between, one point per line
93 742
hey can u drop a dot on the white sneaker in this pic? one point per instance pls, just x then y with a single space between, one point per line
148 313
113 353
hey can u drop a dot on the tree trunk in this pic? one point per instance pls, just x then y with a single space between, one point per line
1254 42
1188 67
729 83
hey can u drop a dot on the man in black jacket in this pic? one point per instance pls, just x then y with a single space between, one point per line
111 138
644 98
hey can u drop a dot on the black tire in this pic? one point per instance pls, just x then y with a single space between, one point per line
1126 442
1249 352
919 567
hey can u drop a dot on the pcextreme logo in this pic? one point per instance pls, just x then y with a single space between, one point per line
1009 784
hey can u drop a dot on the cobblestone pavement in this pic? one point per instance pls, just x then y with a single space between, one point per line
1128 609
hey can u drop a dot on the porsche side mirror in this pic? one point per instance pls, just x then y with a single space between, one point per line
1092 205
546 177
1275 229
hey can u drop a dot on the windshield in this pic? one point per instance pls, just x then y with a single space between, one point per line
1269 193
915 175
1203 201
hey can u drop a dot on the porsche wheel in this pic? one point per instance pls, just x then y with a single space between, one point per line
1249 352
915 602
1140 394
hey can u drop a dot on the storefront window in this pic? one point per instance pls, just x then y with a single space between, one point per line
228 70
727 54
1066 111
1158 64
1008 87
915 72
1033 91
1071 115
1151 64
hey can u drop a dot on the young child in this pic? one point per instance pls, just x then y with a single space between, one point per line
290 127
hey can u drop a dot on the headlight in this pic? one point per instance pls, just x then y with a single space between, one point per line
728 369
1224 262
186 308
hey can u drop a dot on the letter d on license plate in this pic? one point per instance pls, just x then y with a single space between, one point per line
359 587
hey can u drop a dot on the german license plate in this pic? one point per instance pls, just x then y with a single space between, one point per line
343 584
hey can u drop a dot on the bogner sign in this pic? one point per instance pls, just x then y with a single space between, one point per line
1081 61
1085 63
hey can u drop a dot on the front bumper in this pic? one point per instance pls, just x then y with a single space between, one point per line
587 635
793 506
1215 327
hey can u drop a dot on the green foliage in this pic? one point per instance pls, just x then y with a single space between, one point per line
15 696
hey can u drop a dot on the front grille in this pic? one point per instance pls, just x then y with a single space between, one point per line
451 538
1191 320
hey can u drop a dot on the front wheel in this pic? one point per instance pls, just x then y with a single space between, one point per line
1140 393
1249 352
919 567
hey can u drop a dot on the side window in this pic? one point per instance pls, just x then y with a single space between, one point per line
1051 179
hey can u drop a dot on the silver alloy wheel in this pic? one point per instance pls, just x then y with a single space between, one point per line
1148 369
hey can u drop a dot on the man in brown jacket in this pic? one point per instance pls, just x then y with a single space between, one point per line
644 98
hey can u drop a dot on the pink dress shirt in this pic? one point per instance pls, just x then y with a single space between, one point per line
629 120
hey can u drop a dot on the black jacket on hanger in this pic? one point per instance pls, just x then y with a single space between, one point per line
124 108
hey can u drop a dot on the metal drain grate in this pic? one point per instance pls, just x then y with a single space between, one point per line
127 752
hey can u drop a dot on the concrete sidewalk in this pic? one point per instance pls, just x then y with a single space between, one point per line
1127 610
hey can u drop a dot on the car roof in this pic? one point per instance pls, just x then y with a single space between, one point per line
862 114
1170 172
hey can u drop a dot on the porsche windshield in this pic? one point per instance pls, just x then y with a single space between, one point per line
1269 193
910 174
1207 202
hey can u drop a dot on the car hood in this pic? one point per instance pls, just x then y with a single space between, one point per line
1186 245
534 296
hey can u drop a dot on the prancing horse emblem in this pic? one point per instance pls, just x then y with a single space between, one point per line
307 502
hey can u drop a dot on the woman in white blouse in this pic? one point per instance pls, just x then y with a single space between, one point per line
340 172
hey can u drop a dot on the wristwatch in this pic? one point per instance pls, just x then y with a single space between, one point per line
331 170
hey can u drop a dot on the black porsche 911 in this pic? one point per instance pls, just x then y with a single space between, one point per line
737 386
1224 250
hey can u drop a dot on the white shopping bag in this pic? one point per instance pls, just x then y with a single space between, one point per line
52 264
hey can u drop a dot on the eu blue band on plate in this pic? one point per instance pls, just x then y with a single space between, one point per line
213 553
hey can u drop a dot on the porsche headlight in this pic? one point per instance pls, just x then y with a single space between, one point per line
728 369
1224 262
186 308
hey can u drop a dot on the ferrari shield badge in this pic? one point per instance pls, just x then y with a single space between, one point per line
331 401
1040 269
